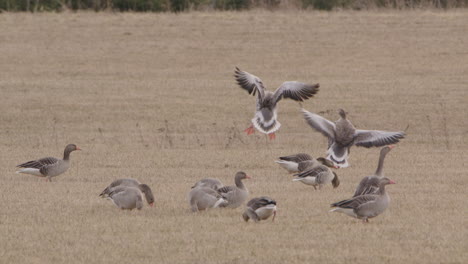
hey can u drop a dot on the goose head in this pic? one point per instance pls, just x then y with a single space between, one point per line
146 190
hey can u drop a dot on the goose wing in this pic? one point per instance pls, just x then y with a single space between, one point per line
376 138
356 202
37 164
322 125
297 158
250 83
368 185
296 91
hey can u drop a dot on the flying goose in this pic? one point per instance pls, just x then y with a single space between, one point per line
342 135
49 167
235 195
202 198
126 197
370 184
317 173
265 114
212 183
129 182
366 206
260 208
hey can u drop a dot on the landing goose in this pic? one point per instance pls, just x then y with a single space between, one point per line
129 182
366 206
212 183
48 167
236 195
317 173
260 208
291 163
342 135
126 197
202 198
265 114
370 184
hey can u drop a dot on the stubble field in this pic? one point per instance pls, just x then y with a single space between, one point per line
152 96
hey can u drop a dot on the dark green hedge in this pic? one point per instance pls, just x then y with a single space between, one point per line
185 5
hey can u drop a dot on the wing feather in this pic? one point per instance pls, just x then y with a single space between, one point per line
322 125
296 91
376 138
250 83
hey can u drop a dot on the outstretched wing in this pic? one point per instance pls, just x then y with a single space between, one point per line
296 90
322 125
37 164
376 138
250 82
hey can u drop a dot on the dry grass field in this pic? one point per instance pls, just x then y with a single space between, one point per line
152 96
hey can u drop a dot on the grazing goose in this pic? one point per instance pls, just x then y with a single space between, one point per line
128 182
342 135
214 184
202 198
265 114
49 167
366 206
126 197
317 173
236 195
370 184
260 208
291 163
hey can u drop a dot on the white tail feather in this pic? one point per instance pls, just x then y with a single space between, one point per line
31 171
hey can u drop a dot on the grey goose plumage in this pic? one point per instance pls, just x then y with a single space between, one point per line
370 184
317 173
260 208
48 167
203 198
236 195
265 119
212 183
291 163
127 198
342 135
366 206
129 182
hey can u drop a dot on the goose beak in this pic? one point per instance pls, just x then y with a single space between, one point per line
392 182
391 146
151 204
248 177
78 148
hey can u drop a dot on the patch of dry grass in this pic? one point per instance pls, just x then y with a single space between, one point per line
152 96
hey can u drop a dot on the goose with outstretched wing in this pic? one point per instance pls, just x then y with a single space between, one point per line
265 119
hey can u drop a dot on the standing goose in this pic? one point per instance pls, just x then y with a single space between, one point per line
317 173
202 198
129 182
236 195
260 208
370 184
265 114
212 183
366 206
126 197
291 163
342 135
49 167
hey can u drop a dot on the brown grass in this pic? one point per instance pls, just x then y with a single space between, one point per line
152 96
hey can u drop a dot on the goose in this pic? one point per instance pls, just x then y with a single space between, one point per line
265 114
212 183
48 167
291 163
370 184
342 135
366 206
129 182
202 198
235 195
126 197
317 173
260 208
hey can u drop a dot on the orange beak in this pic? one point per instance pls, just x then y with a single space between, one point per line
78 148
248 177
392 182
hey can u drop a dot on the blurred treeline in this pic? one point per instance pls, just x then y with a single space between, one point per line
187 5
